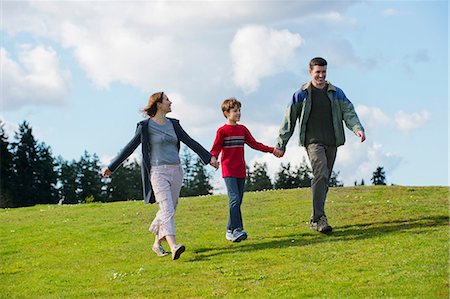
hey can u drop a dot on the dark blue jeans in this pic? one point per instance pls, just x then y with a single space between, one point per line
235 189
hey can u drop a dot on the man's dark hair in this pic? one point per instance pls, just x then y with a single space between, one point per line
317 61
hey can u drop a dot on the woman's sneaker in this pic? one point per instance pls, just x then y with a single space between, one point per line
177 251
159 250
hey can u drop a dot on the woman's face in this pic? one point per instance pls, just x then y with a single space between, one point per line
165 105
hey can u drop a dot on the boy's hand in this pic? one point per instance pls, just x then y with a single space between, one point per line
278 153
214 163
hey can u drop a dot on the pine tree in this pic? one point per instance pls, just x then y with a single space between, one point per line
303 175
379 177
285 178
188 175
259 179
334 182
25 164
200 181
89 176
46 176
6 171
68 181
125 183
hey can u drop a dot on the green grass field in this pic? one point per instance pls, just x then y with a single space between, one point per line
387 242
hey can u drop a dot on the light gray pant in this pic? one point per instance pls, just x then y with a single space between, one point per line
166 183
322 159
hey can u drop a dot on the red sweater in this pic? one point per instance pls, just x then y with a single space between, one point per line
230 141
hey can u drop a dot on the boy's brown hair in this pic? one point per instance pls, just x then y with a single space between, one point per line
229 104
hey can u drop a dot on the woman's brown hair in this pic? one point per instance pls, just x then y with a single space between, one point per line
152 106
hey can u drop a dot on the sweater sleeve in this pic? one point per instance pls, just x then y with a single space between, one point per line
217 145
250 141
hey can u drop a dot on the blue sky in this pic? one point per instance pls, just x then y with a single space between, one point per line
80 71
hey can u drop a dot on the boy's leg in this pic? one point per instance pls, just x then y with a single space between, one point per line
241 186
234 217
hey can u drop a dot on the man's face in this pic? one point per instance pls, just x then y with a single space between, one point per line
318 75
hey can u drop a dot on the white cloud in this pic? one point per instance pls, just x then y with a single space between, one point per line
372 117
390 12
406 122
259 52
35 79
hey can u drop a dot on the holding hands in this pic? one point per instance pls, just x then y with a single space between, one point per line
278 153
214 163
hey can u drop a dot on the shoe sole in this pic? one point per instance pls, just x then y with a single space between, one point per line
240 238
155 250
326 230
178 252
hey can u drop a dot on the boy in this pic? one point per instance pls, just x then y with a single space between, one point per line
230 140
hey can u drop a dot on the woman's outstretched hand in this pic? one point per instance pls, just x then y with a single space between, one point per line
106 172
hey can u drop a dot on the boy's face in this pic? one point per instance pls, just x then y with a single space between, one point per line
318 75
234 115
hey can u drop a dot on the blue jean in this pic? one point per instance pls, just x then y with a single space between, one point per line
235 189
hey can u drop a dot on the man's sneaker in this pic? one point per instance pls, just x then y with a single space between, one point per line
323 226
177 251
238 236
229 235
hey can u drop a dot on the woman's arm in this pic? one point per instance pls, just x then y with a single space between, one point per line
126 151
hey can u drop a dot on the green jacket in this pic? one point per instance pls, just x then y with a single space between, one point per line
300 107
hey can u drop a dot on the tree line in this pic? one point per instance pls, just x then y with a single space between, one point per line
30 175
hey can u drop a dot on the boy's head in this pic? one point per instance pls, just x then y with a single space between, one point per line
229 104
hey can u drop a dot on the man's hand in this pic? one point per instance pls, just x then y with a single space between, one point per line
361 135
278 153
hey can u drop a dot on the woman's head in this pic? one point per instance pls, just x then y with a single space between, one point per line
152 106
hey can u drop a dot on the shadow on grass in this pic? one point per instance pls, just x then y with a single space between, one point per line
342 233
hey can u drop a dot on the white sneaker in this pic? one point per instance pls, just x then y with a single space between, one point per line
177 251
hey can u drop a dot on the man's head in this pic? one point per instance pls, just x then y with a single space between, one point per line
318 71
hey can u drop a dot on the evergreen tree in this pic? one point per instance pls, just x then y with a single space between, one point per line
285 178
379 177
200 181
46 176
25 159
259 179
125 183
68 181
303 175
90 178
6 171
188 175
334 182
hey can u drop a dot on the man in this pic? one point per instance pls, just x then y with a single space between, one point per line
320 109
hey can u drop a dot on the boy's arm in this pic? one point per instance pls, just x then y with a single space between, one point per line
251 141
217 145
288 125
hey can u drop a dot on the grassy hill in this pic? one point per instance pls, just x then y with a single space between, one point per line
387 242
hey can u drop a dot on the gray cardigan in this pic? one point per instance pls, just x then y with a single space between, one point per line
141 137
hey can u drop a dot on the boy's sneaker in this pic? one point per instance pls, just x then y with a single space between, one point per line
229 235
238 236
321 226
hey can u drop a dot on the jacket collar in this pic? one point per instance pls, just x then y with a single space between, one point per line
306 86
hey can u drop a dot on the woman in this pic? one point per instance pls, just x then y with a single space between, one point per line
162 174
